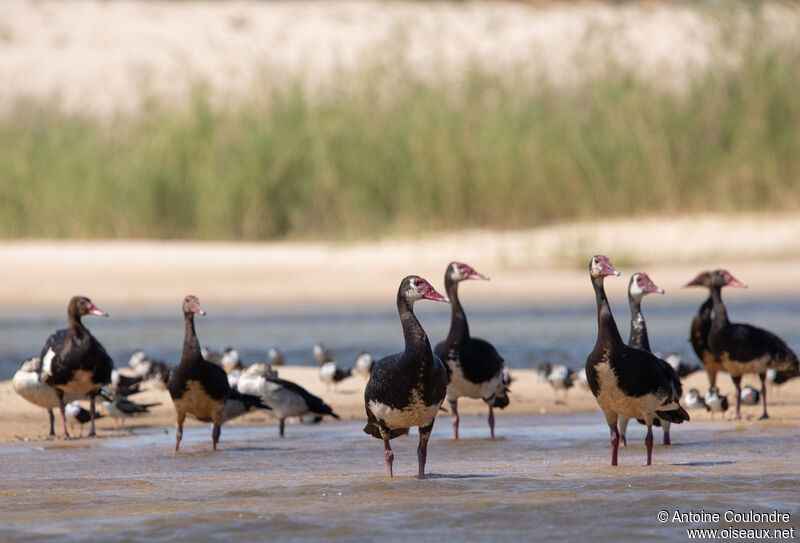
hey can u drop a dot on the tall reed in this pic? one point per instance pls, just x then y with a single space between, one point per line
384 151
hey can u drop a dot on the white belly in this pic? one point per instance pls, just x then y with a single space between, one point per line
460 387
416 414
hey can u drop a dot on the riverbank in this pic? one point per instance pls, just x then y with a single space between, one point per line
24 421
546 263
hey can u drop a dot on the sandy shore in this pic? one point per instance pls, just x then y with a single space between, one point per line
538 264
535 265
22 420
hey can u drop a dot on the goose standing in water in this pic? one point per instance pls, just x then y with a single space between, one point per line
199 387
626 380
406 389
474 367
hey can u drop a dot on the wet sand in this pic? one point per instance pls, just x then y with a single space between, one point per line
545 478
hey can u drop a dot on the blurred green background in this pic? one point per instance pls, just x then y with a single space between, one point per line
384 151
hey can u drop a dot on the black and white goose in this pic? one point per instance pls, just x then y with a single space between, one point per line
473 365
200 388
406 389
29 383
286 398
742 348
73 361
626 380
640 285
701 325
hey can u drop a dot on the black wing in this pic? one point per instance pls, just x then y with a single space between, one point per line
314 403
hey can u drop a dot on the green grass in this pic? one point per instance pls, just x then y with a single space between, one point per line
370 158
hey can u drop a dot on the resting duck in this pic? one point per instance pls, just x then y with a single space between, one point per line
406 389
626 380
73 361
474 367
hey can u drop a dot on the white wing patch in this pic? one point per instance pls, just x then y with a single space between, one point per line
47 362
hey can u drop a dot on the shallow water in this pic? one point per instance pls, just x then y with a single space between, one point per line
545 478
525 335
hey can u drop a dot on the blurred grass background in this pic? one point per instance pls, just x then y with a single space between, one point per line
383 151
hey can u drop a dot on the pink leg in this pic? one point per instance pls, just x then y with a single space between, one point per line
623 441
491 421
179 433
215 436
388 456
648 441
422 450
614 444
666 438
454 410
422 456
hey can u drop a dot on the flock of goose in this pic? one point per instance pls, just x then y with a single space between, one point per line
408 388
